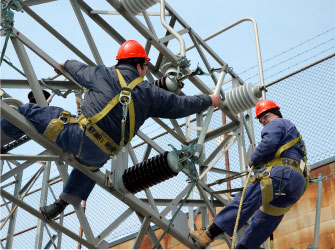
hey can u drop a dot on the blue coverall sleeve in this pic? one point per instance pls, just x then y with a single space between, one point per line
166 104
271 135
82 73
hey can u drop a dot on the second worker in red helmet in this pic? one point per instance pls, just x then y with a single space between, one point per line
280 179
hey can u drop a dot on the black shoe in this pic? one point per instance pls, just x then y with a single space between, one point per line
54 209
240 246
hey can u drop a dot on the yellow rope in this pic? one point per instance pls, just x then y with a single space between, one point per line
272 246
240 208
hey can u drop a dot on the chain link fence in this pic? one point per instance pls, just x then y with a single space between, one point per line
305 98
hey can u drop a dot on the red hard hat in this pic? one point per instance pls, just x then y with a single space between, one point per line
265 105
131 49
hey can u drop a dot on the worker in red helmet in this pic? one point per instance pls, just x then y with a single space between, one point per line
132 49
117 103
280 179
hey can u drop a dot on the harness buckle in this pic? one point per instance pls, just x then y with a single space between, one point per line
262 175
125 96
285 162
64 116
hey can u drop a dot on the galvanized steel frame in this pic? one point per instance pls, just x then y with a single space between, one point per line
147 211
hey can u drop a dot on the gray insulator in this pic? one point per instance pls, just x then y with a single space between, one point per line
14 103
242 98
172 86
172 159
137 6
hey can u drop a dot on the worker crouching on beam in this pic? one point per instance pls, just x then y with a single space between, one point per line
117 103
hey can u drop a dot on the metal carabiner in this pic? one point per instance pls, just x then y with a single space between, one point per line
64 115
125 97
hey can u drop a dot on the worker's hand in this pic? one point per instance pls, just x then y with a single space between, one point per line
215 100
62 65
251 163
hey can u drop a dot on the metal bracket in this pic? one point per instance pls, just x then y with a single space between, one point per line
109 179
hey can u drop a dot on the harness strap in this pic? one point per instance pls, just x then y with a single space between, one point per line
131 86
266 186
287 146
98 136
91 168
88 125
53 129
266 181
274 210
56 126
94 119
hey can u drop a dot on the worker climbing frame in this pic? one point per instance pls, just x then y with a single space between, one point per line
188 156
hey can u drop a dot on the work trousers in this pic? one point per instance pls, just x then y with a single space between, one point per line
262 225
78 186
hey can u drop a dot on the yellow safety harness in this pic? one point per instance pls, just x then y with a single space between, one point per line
92 130
266 181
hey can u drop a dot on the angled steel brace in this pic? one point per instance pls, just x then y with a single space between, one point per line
108 230
147 153
178 136
12 220
21 167
219 156
177 128
204 197
42 54
153 144
30 157
55 33
53 224
99 178
86 31
217 150
29 72
217 132
176 200
23 84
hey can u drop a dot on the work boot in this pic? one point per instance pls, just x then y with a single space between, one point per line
54 209
201 238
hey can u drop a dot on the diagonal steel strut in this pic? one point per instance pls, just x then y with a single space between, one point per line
131 200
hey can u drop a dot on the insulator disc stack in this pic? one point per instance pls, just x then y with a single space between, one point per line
148 173
137 6
242 98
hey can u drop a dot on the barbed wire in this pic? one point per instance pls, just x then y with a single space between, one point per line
284 52
291 58
331 48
